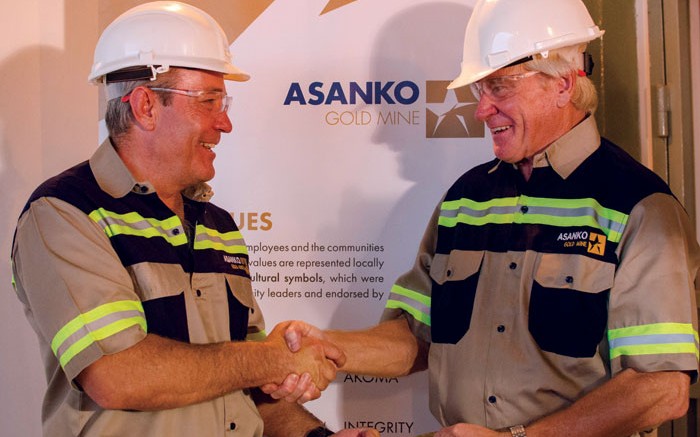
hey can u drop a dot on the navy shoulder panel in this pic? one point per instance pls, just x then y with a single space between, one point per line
69 184
616 178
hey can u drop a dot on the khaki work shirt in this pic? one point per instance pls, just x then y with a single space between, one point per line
523 347
68 274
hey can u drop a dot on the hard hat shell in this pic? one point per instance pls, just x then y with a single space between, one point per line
166 34
500 32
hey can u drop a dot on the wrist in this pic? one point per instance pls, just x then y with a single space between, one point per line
517 431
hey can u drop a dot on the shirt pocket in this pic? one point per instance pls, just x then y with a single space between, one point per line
240 304
569 303
162 293
454 279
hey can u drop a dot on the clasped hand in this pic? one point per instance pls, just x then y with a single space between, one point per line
306 384
311 362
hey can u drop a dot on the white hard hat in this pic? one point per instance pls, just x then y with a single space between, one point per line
158 35
501 32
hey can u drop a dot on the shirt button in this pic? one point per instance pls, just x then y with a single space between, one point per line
176 231
199 293
501 328
449 273
524 209
492 399
143 189
512 266
232 426
569 279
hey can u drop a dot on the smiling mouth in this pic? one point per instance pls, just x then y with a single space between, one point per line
500 129
208 145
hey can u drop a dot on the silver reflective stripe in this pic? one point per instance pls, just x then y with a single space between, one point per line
413 302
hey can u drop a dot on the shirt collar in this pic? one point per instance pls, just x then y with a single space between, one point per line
115 179
570 150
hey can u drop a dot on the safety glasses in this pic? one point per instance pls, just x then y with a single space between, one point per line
499 88
213 101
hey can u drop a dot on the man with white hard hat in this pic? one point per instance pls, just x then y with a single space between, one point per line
137 286
554 290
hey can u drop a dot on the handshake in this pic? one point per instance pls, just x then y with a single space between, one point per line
307 362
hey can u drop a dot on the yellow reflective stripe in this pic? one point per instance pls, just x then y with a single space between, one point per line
479 206
256 336
229 242
425 300
421 317
100 334
654 349
414 303
546 211
654 328
101 313
656 338
135 224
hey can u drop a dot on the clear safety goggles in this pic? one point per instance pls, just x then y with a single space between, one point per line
500 87
213 101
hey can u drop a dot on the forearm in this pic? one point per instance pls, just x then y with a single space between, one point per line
389 349
284 419
159 373
630 402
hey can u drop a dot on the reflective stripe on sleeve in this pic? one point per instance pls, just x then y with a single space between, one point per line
653 339
229 242
414 303
135 224
256 336
541 211
95 325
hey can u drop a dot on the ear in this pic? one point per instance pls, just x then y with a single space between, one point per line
142 101
565 88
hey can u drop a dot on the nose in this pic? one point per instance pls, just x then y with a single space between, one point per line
223 122
485 108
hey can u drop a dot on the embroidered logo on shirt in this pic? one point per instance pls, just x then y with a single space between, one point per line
592 241
237 263
596 244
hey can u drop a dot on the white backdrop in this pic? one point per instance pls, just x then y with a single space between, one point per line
348 184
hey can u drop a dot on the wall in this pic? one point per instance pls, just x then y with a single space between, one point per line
47 122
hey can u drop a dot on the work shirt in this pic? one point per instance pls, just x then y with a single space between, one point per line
99 261
533 293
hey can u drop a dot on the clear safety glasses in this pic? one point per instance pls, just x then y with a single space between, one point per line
499 88
214 101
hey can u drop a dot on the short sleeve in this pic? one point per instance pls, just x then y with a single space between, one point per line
652 322
410 296
78 296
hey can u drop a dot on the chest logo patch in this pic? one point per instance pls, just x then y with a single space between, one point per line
237 263
596 244
593 242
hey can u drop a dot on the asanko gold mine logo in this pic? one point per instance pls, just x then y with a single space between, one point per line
592 241
448 113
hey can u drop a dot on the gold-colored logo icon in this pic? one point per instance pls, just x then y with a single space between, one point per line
596 244
450 113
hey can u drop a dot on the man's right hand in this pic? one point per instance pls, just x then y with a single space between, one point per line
312 362
295 387
296 330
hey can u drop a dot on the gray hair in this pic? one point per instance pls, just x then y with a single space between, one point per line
563 61
118 116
